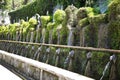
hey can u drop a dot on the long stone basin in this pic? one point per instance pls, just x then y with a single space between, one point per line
38 70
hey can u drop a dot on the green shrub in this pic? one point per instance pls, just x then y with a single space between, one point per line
83 22
32 21
45 20
50 25
59 16
90 11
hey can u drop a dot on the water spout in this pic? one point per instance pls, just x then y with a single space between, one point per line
46 55
113 57
36 55
113 70
88 65
69 60
57 57
28 46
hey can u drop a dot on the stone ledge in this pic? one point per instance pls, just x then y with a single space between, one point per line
39 70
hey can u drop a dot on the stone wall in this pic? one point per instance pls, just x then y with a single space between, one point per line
38 70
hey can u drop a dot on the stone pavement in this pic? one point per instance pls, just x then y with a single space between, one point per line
5 74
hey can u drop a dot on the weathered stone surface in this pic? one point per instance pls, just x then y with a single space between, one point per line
38 70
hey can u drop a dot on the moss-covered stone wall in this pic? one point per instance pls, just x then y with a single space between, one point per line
90 30
114 24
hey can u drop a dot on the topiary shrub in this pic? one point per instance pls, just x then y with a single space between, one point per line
59 16
50 26
45 20
32 21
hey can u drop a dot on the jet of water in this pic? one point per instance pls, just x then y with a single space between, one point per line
113 57
67 60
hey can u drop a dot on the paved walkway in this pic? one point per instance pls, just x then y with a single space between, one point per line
5 74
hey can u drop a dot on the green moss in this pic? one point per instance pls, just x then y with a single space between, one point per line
83 22
85 12
114 10
114 34
90 12
59 16
50 25
81 13
99 60
71 17
45 20
114 24
24 26
32 21
97 19
31 29
91 35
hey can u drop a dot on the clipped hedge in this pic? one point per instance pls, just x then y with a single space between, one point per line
41 7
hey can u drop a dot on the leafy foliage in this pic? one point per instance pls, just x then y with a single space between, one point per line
45 20
59 16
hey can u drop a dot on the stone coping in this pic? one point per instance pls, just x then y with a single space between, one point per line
60 73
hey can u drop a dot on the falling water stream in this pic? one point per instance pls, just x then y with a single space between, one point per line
33 47
28 46
113 57
46 55
88 64
71 37
57 57
37 53
43 35
68 61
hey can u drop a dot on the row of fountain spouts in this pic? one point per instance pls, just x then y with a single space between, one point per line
70 42
35 54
